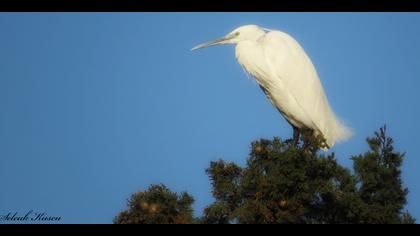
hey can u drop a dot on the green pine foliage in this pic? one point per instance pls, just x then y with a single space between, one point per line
282 183
157 205
378 174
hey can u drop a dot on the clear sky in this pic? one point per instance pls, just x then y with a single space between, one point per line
96 106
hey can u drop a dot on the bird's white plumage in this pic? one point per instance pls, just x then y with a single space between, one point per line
288 78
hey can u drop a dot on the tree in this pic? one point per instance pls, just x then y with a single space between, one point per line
378 173
283 183
286 184
157 205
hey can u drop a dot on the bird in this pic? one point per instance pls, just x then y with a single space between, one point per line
288 78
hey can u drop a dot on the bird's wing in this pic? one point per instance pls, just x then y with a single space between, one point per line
290 64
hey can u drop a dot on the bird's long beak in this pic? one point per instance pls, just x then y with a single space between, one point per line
212 43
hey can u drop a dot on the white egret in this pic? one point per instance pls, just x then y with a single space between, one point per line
288 78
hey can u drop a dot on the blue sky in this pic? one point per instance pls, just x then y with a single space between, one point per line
96 106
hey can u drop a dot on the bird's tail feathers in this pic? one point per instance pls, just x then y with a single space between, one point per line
340 132
336 132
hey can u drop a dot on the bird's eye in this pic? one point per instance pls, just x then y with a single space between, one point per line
236 33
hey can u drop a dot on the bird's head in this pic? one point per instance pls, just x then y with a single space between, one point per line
246 32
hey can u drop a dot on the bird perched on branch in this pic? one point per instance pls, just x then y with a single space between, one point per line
288 78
